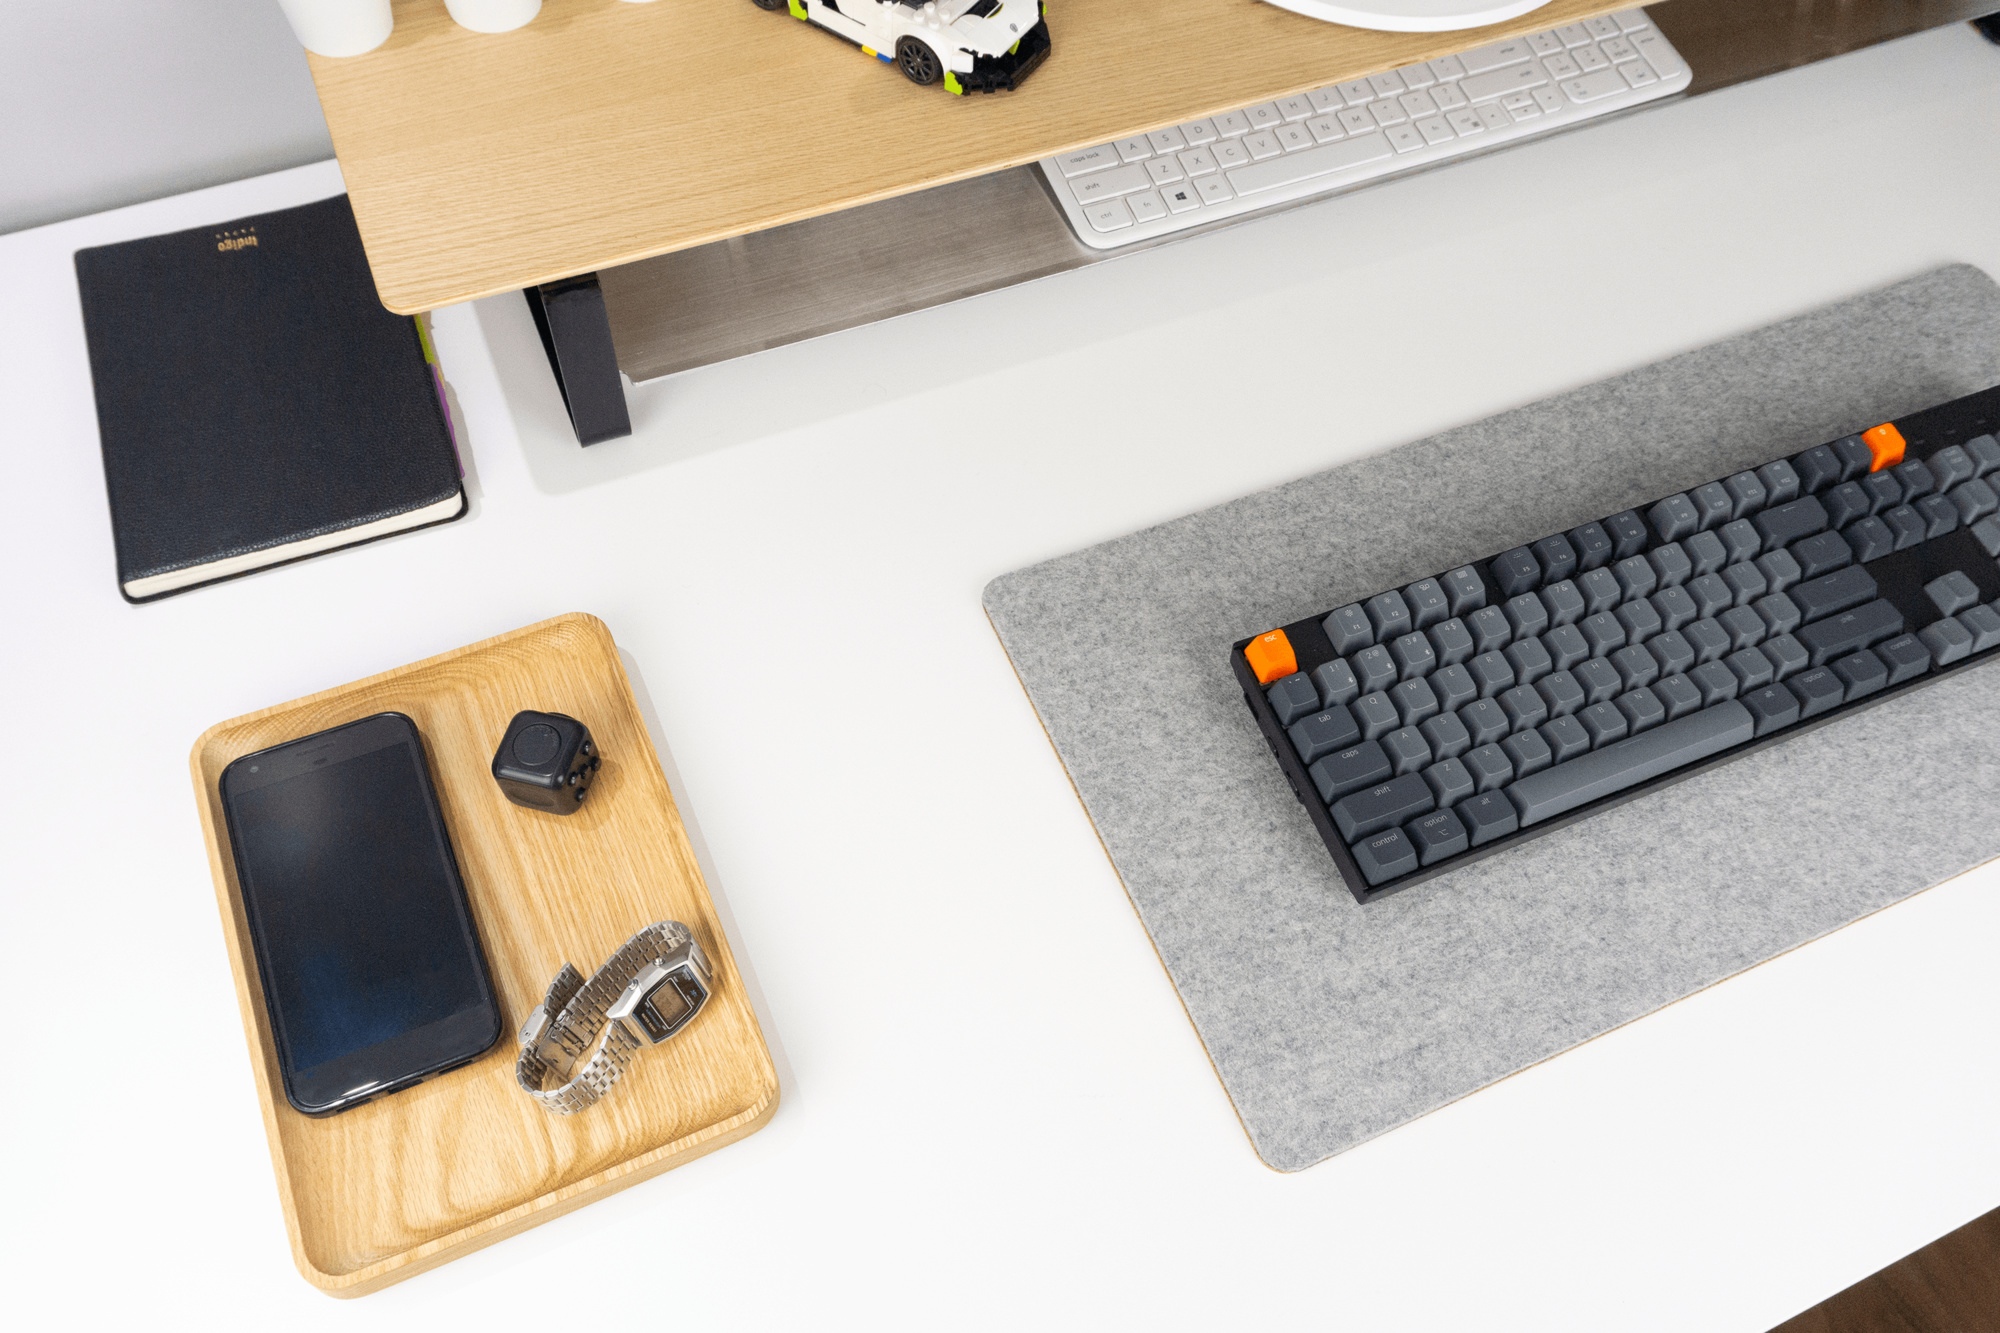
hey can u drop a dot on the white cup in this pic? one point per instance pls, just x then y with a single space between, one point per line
339 27
492 15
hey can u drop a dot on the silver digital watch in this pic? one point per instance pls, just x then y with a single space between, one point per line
649 990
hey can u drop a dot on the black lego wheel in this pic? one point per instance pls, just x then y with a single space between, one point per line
768 4
918 62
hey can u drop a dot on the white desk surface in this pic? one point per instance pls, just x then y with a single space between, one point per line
995 1113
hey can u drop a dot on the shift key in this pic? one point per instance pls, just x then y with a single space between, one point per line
1843 634
1396 801
1110 184
1321 161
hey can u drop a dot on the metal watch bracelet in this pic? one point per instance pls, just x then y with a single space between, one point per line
645 993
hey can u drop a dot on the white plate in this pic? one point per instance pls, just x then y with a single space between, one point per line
1411 15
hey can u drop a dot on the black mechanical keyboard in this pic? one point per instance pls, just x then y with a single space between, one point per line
1430 725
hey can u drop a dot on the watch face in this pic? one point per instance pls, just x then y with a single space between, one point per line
670 1004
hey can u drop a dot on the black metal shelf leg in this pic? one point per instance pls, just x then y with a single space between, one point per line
576 334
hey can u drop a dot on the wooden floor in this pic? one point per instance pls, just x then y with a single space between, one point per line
1951 1285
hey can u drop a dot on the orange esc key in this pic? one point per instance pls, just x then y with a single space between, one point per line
1271 657
1885 442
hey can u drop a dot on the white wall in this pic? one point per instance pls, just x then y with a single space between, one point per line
110 102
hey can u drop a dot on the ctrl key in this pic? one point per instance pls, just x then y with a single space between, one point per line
1905 656
1385 856
1111 215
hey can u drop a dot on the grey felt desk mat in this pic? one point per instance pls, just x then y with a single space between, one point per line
1330 1022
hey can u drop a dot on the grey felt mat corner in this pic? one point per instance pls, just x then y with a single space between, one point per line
1330 1022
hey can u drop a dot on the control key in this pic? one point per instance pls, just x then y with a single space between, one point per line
1385 856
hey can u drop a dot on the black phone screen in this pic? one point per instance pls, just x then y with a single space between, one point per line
370 966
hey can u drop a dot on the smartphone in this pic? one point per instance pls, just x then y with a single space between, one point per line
371 968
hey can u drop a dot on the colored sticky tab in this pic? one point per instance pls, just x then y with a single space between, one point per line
1271 656
1886 443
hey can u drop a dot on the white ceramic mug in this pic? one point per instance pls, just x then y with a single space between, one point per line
340 27
493 15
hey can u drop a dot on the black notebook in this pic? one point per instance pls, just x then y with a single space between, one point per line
255 402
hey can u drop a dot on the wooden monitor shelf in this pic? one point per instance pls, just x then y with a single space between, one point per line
606 132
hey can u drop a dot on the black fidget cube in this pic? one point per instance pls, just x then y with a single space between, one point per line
546 762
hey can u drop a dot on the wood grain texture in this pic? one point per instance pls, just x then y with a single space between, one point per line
1952 1285
606 132
396 1186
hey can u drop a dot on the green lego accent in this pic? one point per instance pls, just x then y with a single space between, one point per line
952 85
797 8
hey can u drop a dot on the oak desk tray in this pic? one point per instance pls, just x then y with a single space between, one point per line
402 1184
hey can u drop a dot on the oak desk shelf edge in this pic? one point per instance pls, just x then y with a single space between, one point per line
606 132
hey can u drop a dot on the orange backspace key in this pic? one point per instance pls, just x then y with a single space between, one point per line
1271 656
1886 443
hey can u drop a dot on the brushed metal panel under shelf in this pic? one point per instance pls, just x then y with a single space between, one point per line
714 302
677 311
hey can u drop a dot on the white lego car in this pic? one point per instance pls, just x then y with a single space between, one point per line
971 45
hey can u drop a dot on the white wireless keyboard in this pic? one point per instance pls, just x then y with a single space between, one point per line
1346 135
